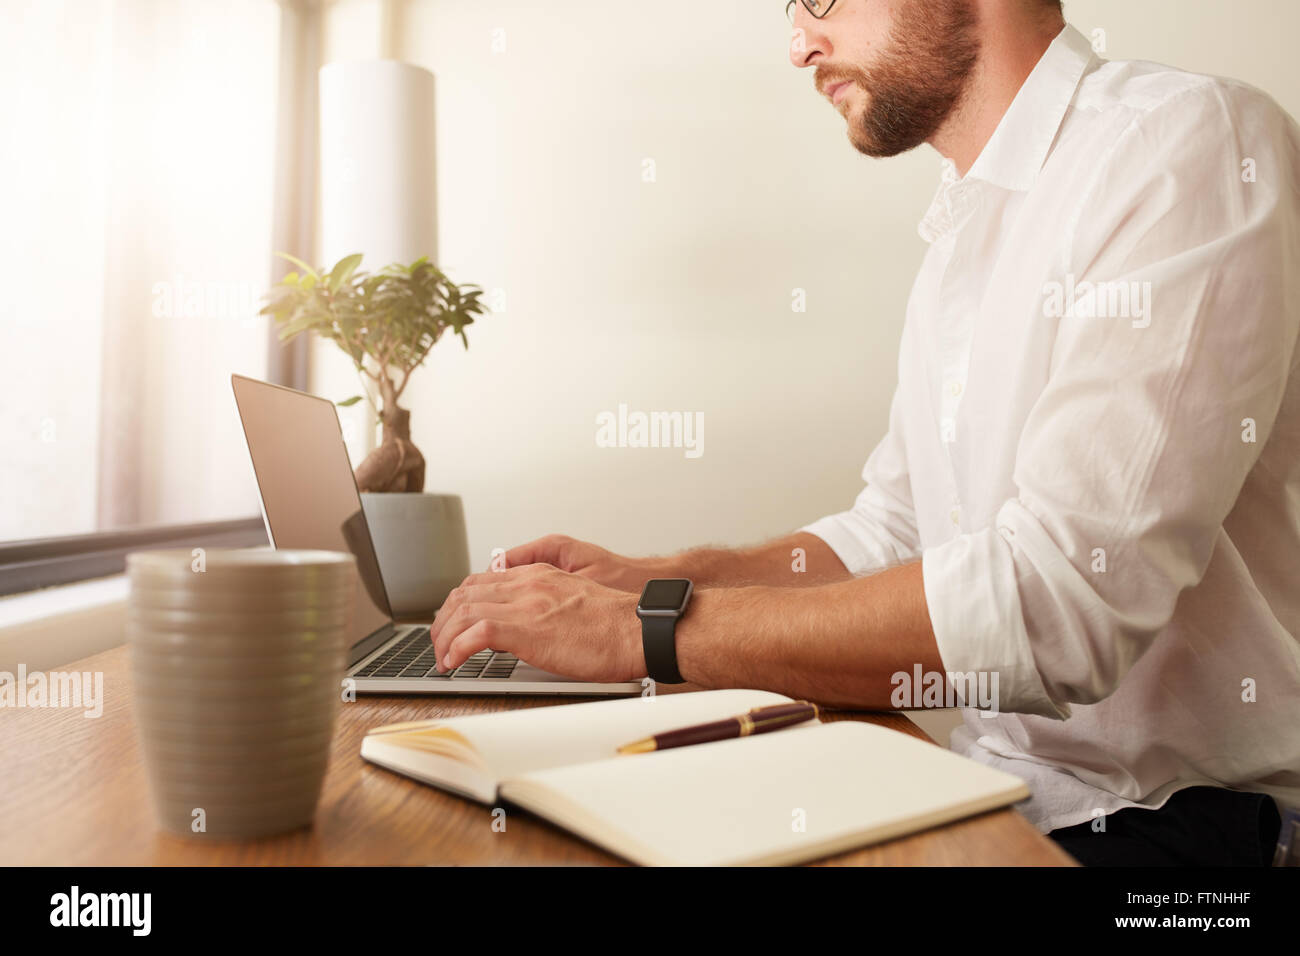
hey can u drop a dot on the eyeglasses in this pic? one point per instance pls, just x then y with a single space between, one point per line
818 8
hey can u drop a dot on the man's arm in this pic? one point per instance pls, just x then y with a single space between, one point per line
796 560
839 644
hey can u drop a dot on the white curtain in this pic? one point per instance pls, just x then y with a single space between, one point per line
137 161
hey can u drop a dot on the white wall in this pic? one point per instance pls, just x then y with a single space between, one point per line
676 295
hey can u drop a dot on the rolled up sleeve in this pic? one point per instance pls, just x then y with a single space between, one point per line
1139 445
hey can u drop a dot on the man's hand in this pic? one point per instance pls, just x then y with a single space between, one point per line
587 560
563 623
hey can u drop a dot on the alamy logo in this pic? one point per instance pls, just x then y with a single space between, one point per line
627 429
920 690
1098 300
55 689
183 298
74 908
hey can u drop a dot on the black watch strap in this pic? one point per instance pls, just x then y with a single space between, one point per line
659 641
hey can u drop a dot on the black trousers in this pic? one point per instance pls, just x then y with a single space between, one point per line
1198 826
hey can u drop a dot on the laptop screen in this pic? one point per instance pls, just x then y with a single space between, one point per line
309 495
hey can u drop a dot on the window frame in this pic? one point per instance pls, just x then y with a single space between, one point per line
46 562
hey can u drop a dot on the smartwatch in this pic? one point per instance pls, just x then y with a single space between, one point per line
663 601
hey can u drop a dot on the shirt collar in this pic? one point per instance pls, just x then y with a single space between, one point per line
1018 148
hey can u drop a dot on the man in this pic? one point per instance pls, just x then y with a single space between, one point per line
1089 492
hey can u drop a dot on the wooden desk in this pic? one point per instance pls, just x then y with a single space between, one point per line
73 791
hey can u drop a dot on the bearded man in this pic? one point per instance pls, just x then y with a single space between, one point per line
1089 490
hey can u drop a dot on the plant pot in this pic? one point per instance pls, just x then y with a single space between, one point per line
422 548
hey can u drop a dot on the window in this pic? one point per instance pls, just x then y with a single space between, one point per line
138 158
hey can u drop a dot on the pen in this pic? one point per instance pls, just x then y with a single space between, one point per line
760 720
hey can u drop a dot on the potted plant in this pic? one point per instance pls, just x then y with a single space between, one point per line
387 322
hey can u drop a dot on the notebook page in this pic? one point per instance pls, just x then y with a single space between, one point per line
520 741
776 798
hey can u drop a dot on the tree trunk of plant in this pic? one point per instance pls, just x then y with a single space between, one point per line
396 422
396 465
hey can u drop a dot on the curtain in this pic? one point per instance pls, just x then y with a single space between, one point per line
137 172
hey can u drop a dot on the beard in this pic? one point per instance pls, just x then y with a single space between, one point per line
918 80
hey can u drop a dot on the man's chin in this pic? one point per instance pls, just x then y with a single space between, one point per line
859 139
876 146
868 146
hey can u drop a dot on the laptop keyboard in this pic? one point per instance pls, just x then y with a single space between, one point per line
413 657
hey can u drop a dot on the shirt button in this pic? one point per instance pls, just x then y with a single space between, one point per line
956 516
954 389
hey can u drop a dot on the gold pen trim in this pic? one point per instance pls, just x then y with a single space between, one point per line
640 747
747 727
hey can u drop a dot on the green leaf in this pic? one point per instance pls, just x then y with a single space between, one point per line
298 262
300 324
343 270
348 401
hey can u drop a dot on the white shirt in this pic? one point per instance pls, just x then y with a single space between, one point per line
1104 488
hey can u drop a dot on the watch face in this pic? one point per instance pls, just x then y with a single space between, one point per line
668 594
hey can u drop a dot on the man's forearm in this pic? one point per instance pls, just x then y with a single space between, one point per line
838 644
797 560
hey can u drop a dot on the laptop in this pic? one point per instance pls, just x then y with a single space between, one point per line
310 501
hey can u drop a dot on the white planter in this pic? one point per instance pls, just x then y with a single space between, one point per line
422 548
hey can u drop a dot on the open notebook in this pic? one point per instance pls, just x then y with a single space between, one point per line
776 798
